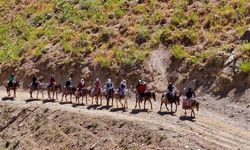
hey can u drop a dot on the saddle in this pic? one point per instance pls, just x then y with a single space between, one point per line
188 103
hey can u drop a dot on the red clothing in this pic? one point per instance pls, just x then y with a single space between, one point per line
142 88
52 80
97 84
80 85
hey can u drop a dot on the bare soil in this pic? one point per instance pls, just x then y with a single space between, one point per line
45 125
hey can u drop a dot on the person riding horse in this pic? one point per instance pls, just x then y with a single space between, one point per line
170 91
81 84
141 88
34 82
52 81
190 95
69 83
109 87
97 86
122 88
12 80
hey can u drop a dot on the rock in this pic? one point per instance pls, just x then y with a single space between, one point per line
229 60
186 147
248 106
246 35
231 116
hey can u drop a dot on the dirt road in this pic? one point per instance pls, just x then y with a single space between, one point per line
212 129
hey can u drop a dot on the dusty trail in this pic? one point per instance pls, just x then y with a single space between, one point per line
210 129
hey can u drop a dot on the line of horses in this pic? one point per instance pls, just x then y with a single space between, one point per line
83 93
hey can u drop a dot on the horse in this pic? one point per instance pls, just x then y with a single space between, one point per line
192 107
125 96
96 93
13 87
147 96
55 89
68 91
109 95
175 99
81 92
41 87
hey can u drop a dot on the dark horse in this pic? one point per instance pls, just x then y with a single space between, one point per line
13 87
174 99
109 95
147 96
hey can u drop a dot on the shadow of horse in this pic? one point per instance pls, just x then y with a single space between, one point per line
188 118
92 107
118 109
104 107
63 103
32 100
137 111
10 98
77 105
49 101
166 113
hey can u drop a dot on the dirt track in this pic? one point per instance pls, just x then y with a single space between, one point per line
210 130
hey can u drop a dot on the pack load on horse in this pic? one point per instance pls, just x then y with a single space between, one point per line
109 91
170 98
12 84
189 102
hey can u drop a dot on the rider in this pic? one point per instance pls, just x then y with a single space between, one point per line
190 93
81 84
52 80
109 86
141 88
122 88
170 90
69 83
34 81
12 79
97 85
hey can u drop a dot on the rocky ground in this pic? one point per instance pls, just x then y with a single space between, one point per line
40 124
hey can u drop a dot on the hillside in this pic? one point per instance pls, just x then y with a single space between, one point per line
89 37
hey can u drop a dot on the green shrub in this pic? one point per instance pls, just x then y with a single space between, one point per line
245 66
245 47
104 61
119 12
142 35
179 52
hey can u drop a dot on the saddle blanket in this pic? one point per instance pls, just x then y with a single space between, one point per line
187 103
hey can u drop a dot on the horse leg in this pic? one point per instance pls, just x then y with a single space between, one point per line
121 103
151 104
185 112
166 106
171 107
145 104
135 104
42 94
161 106
14 93
37 94
86 99
176 107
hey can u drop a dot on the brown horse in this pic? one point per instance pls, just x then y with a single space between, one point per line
127 94
95 93
175 99
71 91
192 107
147 96
41 87
82 92
13 87
55 89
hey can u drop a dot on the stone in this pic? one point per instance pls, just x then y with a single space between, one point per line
229 60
